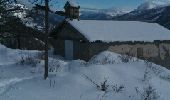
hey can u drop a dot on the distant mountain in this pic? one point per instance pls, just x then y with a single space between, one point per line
85 14
151 4
99 14
159 15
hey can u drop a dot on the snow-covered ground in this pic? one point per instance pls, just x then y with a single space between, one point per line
80 80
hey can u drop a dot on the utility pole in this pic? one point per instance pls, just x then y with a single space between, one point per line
46 39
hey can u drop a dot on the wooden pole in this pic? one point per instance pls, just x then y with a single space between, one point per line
46 40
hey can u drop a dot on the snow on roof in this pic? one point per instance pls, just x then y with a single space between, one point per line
72 3
110 31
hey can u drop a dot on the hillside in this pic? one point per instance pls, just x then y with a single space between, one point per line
158 15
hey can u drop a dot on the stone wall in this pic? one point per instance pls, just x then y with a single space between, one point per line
149 50
159 54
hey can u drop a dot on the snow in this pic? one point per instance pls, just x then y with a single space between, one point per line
70 80
28 21
110 31
107 57
73 3
151 4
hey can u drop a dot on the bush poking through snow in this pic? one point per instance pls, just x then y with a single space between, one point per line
104 86
147 73
148 93
54 66
125 58
148 64
28 60
93 82
157 70
52 83
118 89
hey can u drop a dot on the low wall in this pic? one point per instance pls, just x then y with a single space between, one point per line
158 53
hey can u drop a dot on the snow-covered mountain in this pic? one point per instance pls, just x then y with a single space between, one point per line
150 4
157 11
110 11
92 13
159 15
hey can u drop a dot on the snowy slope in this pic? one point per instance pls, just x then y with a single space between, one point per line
72 80
110 31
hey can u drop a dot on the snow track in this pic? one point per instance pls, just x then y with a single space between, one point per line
12 73
4 85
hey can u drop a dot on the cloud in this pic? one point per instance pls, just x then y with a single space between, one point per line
165 1
158 2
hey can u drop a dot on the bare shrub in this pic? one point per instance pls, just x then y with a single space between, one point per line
148 93
148 64
54 66
125 58
52 83
146 75
147 72
157 70
166 77
118 88
93 82
104 86
28 60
